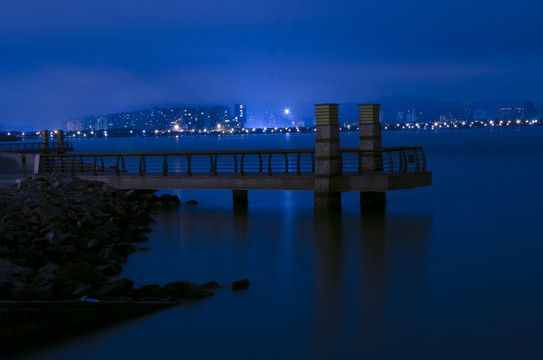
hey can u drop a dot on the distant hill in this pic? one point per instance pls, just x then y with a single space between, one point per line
431 108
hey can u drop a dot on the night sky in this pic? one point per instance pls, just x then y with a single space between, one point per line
62 59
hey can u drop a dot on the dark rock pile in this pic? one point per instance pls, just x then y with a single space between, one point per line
62 237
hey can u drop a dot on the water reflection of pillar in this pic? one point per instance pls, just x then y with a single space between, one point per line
373 255
394 256
329 284
240 223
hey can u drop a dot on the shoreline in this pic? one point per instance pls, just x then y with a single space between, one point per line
63 239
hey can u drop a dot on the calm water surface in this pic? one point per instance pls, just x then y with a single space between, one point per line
451 271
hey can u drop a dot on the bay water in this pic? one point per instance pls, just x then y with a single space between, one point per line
451 271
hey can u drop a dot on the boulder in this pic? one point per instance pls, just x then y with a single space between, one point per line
12 272
122 287
240 285
79 273
148 291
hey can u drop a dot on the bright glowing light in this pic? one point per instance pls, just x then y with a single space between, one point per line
176 127
287 111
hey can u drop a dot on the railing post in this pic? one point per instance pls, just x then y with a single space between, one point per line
117 170
369 128
189 165
165 166
327 158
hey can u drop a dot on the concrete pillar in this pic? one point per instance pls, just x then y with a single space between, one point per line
240 198
370 139
326 159
60 141
45 139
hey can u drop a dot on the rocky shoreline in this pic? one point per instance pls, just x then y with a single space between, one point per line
62 238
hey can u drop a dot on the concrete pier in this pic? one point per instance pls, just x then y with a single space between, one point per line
327 162
327 170
370 139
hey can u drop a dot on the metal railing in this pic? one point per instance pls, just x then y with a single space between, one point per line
213 163
389 160
233 163
35 147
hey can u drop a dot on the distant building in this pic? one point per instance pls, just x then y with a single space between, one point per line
219 115
400 117
468 113
529 110
479 114
240 115
511 113
194 118
74 125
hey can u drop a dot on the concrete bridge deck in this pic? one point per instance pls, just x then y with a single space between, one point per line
395 168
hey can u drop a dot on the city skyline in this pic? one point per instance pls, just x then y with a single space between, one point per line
64 59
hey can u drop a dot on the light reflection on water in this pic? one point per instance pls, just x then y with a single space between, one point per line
450 271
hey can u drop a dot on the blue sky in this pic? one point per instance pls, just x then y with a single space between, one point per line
62 59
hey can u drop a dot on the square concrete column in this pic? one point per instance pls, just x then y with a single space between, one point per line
240 198
45 139
326 158
370 139
60 141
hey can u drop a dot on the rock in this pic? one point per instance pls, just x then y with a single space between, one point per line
61 249
185 289
16 290
122 287
79 273
49 268
44 292
82 290
12 272
109 269
240 285
148 291
44 278
211 285
191 202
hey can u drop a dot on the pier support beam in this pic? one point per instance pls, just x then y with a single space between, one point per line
326 159
240 198
369 129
